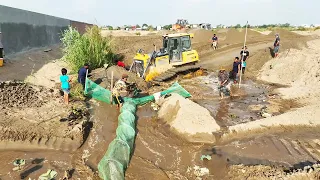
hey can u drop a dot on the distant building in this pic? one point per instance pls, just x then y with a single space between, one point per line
205 26
194 26
159 28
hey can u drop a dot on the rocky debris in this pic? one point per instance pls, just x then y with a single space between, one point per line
19 94
189 119
200 172
267 172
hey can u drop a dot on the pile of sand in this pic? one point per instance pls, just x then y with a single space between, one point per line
201 35
129 45
189 119
300 69
48 75
13 94
284 34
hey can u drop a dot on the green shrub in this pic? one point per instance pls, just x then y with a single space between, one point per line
138 33
302 29
90 47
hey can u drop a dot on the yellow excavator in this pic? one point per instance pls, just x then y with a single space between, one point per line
174 57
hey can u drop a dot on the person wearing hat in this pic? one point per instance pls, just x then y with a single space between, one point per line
119 90
276 45
224 82
82 74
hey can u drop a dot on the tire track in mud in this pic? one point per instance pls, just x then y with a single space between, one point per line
283 149
11 139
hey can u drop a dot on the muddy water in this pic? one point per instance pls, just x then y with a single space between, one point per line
160 154
229 111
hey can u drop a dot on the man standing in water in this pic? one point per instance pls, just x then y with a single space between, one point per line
119 90
224 86
276 46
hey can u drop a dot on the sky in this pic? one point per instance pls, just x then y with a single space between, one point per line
162 12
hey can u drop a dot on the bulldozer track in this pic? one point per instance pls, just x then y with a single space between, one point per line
174 71
273 150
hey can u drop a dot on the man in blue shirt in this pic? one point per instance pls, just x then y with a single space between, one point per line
82 75
236 69
214 42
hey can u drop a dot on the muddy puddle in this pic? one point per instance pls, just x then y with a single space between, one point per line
245 105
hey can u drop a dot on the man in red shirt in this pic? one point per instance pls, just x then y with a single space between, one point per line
121 64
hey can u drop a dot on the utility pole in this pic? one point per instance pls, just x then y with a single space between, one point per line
244 45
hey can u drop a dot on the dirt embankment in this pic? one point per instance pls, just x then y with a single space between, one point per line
34 116
129 45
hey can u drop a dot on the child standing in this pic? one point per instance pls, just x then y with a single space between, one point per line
244 64
65 86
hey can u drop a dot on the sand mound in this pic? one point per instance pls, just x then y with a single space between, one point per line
237 35
189 119
129 45
284 34
48 75
201 35
299 69
14 94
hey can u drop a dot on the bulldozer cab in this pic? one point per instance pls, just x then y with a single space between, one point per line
174 45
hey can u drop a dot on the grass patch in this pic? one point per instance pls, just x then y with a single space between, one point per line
76 91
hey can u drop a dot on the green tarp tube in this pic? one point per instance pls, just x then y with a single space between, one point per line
116 160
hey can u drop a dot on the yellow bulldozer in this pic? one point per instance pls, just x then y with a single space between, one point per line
174 57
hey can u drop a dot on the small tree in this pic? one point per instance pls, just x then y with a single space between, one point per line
138 26
237 26
90 48
167 27
150 28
